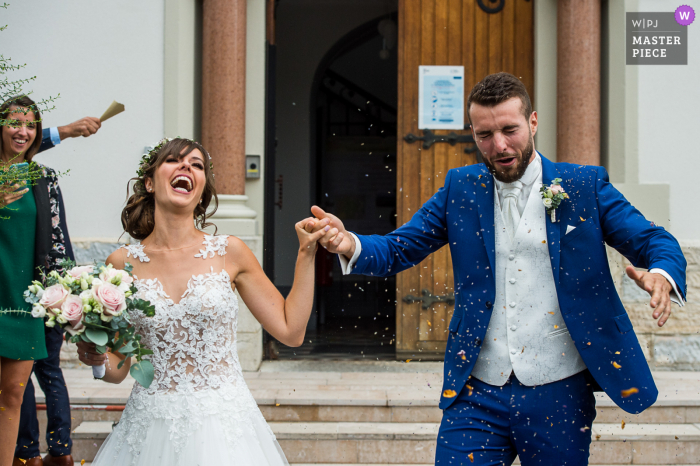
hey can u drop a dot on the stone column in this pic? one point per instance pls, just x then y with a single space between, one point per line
578 81
224 26
223 91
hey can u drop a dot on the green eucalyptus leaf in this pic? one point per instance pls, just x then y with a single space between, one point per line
121 363
102 349
143 372
98 337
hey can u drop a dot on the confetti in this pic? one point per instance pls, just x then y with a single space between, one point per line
582 219
597 437
463 355
277 404
471 389
629 392
483 185
23 461
82 462
551 313
676 437
21 384
585 428
449 393
408 360
544 241
623 424
616 365
617 352
471 457
556 326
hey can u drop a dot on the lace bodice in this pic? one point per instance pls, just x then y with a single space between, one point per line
193 340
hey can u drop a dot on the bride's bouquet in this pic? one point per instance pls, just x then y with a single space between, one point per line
92 304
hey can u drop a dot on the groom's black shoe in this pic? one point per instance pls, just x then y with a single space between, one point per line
65 460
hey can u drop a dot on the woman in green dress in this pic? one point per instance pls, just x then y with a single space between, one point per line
31 240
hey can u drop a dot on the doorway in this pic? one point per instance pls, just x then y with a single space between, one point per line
352 142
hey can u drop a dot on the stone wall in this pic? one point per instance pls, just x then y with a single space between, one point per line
675 346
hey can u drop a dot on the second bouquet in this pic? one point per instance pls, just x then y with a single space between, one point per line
93 304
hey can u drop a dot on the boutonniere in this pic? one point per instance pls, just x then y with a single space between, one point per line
552 196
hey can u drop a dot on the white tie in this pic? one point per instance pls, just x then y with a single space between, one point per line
511 215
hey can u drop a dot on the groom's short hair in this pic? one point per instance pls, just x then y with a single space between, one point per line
497 88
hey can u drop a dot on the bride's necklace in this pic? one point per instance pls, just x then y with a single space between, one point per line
169 250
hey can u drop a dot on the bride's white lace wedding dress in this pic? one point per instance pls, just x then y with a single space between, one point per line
198 410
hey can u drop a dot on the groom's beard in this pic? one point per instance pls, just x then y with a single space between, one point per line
514 172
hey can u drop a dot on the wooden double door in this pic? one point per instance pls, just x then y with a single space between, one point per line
445 32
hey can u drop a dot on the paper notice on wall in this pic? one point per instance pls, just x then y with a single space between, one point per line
115 108
440 97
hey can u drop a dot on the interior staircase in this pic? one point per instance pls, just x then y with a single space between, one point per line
372 418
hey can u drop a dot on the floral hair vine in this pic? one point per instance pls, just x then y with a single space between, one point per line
147 158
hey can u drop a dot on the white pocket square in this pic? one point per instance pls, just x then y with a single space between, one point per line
569 229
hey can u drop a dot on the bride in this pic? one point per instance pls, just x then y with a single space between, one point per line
198 410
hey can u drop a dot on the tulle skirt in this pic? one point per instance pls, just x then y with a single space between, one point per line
222 427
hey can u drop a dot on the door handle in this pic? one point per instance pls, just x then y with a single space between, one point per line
428 299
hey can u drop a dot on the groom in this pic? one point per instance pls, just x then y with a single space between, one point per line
541 327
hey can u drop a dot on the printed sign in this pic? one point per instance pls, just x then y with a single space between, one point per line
441 97
656 39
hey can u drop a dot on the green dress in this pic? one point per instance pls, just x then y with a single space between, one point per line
21 335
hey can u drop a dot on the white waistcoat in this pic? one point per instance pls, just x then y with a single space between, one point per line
526 333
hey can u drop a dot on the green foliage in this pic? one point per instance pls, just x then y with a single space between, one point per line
10 88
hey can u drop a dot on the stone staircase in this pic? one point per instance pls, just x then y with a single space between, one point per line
391 417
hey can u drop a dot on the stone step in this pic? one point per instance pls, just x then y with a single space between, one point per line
414 443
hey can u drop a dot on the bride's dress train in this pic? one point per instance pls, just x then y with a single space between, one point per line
198 410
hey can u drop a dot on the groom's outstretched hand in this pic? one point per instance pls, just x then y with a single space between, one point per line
658 287
337 240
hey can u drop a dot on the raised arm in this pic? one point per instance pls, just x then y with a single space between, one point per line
285 319
399 250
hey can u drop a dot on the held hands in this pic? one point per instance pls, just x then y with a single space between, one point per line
337 241
84 127
10 193
88 355
308 240
658 287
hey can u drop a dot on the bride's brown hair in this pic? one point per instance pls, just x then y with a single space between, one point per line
138 217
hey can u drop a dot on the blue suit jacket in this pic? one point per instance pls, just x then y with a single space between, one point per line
592 310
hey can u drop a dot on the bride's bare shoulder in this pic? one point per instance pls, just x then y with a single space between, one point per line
117 259
240 253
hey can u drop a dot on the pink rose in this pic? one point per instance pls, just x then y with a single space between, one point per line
113 301
72 310
76 272
556 189
53 296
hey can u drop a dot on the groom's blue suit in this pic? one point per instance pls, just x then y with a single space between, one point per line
591 308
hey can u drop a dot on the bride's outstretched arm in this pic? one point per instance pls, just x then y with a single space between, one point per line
285 319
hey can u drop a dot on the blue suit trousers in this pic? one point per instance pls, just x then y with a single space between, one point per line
545 425
50 377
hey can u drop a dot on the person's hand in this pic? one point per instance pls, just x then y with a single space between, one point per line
658 287
338 240
84 127
88 355
308 240
10 193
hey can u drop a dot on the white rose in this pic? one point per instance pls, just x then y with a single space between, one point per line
51 323
547 202
38 311
61 320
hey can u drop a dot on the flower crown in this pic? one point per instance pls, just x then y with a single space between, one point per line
148 156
